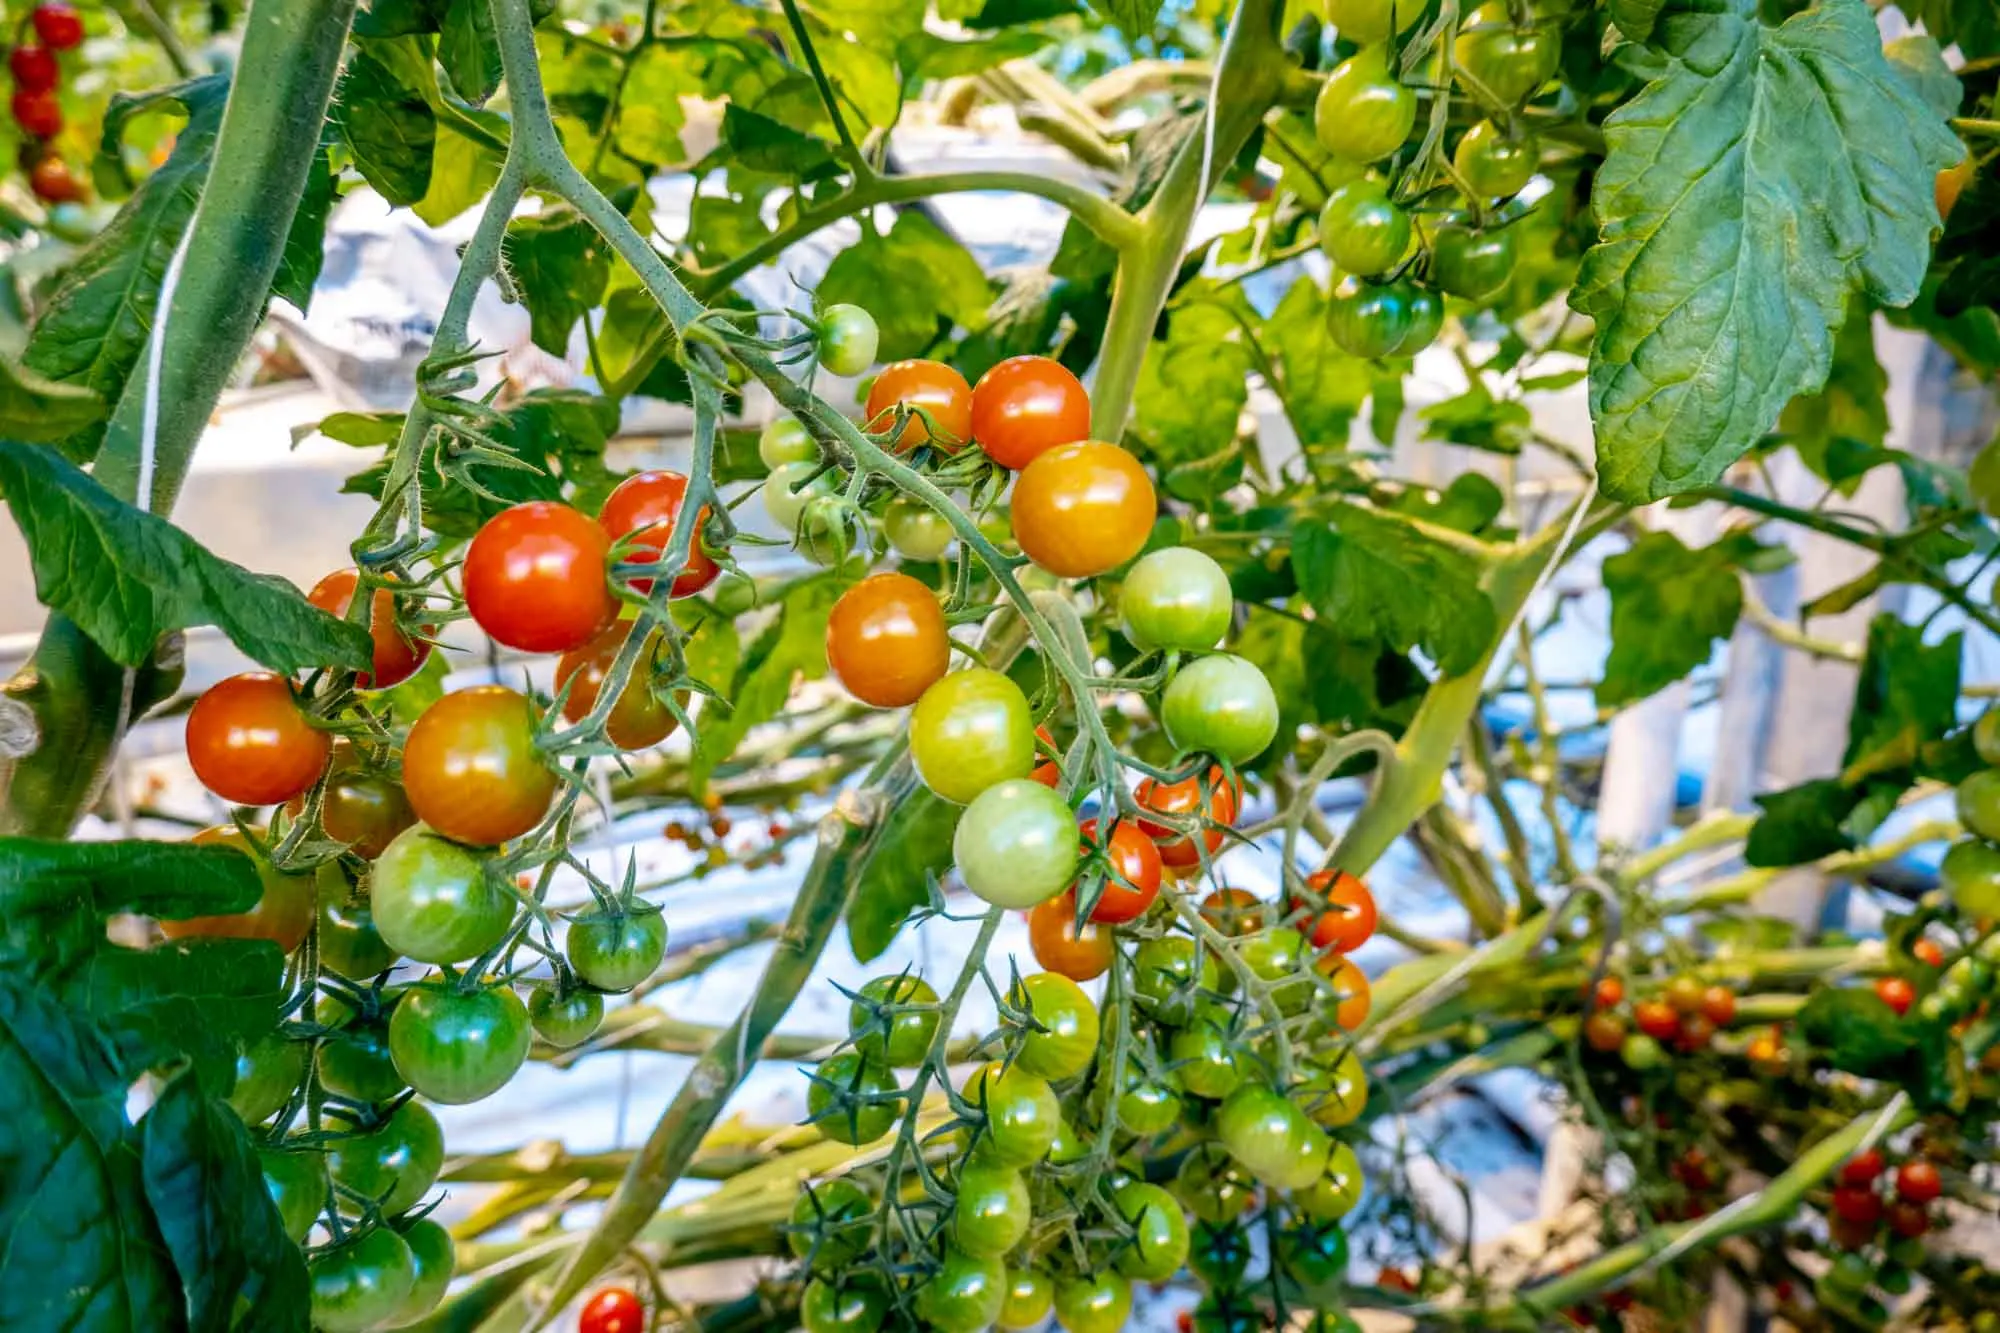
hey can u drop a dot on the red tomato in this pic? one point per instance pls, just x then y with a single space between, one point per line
471 770
250 744
1134 879
886 640
1234 911
640 717
1026 406
397 655
38 114
612 1310
1609 994
1897 993
1657 1019
1928 952
1184 798
1909 1220
1857 1203
1349 918
1350 987
1918 1182
1046 770
52 180
1863 1168
1605 1031
534 578
58 25
1718 1005
282 915
648 503
932 386
1083 509
1060 948
34 68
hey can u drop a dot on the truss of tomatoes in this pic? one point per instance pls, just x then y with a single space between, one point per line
37 76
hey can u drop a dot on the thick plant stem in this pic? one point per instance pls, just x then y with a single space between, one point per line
235 239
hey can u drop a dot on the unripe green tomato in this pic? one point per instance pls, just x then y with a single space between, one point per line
848 337
1204 1059
872 1106
909 1034
268 1071
1337 1094
783 440
992 1210
1030 1294
458 1046
1159 1243
1175 598
1219 1255
349 944
564 1021
1986 736
1271 1138
362 1283
964 1295
1641 1052
1501 62
1338 1190
354 1061
838 1215
1097 1302
1214 1188
1148 1105
434 901
296 1182
616 951
1362 230
1365 22
1281 955
915 530
971 730
436 1259
1970 877
1016 845
1362 112
787 491
1022 1114
1165 980
1494 164
1060 1006
1374 320
1222 705
395 1164
1472 264
857 1305
1979 803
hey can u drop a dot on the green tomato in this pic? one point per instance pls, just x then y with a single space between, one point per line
783 440
1016 845
268 1071
1316 1257
852 1100
354 1059
1374 320
1986 731
1030 1293
1501 63
971 730
1970 877
395 1163
1175 598
349 944
992 1211
1211 1184
1338 1190
915 530
1979 804
1204 1058
898 1039
1097 1302
1362 113
1494 164
857 1305
789 489
296 1182
457 1047
1336 1095
1641 1052
1159 1243
616 951
1022 1114
1365 22
1059 1005
1067 1145
848 338
362 1283
1472 264
964 1295
1281 954
1362 230
1219 1254
836 1215
436 1259
434 901
564 1020
1147 1104
1271 1138
1166 980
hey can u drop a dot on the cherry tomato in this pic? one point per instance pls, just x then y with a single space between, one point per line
869 1091
615 952
909 1033
38 114
1204 1056
1132 880
1349 916
992 1211
915 530
1212 1186
1978 801
268 1070
1918 1182
1684 994
1857 1203
1927 952
1046 772
1183 799
1083 509
1098 1302
1362 113
296 1182
58 25
612 1310
354 1060
52 180
1057 944
640 718
1657 1019
1158 1245
1970 877
395 1163
1022 1114
471 769
1374 320
565 1019
1168 976
362 809
457 1046
848 337
1370 21
361 1283
830 1223
1015 845
435 901
970 730
1338 1190
886 640
1068 1039
1350 1000
1271 1138
1472 264
1030 1295
1604 1031
647 504
1234 911
1493 163
534 578
1336 1095
250 743
397 655
1175 598
282 915
964 1295
1026 406
789 489
783 440
1315 1256
1500 62
1908 1220
1864 1168
34 68
1696 1032
1609 993
436 1256
1362 230
349 944
854 1305
928 388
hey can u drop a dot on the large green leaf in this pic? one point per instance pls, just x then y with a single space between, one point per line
1669 605
916 843
1193 384
791 649
127 577
1371 573
469 50
560 266
1906 697
384 114
1852 409
936 281
1323 387
1767 175
40 410
55 896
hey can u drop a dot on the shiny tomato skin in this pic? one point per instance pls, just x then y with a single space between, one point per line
1495 164
1184 798
1059 1005
282 915
848 339
1363 113
1083 509
38 114
433 899
932 386
1657 1019
640 718
886 640
34 68
58 25
457 1046
612 1310
1026 406
359 1284
648 504
971 730
535 578
1349 1003
364 810
250 743
1349 917
52 180
1501 62
1132 876
1918 1182
1059 947
1234 911
915 530
397 655
1098 1302
1175 597
1015 846
396 1163
471 769
1221 705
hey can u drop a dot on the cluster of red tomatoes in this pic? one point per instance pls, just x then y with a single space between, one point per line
37 75
1682 1016
1388 299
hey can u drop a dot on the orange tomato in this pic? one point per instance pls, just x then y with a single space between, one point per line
1059 947
1349 918
1026 406
932 386
886 640
251 744
397 655
1184 798
1084 509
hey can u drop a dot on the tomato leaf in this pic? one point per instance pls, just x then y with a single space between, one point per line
469 50
791 649
1729 249
1907 696
1801 823
305 244
127 577
763 144
1669 605
383 109
51 891
40 410
560 266
1855 1030
399 18
915 843
1323 388
1973 26
938 284
1372 573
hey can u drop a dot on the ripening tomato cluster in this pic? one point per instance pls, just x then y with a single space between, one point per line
1682 1016
1867 1198
1392 275
37 76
